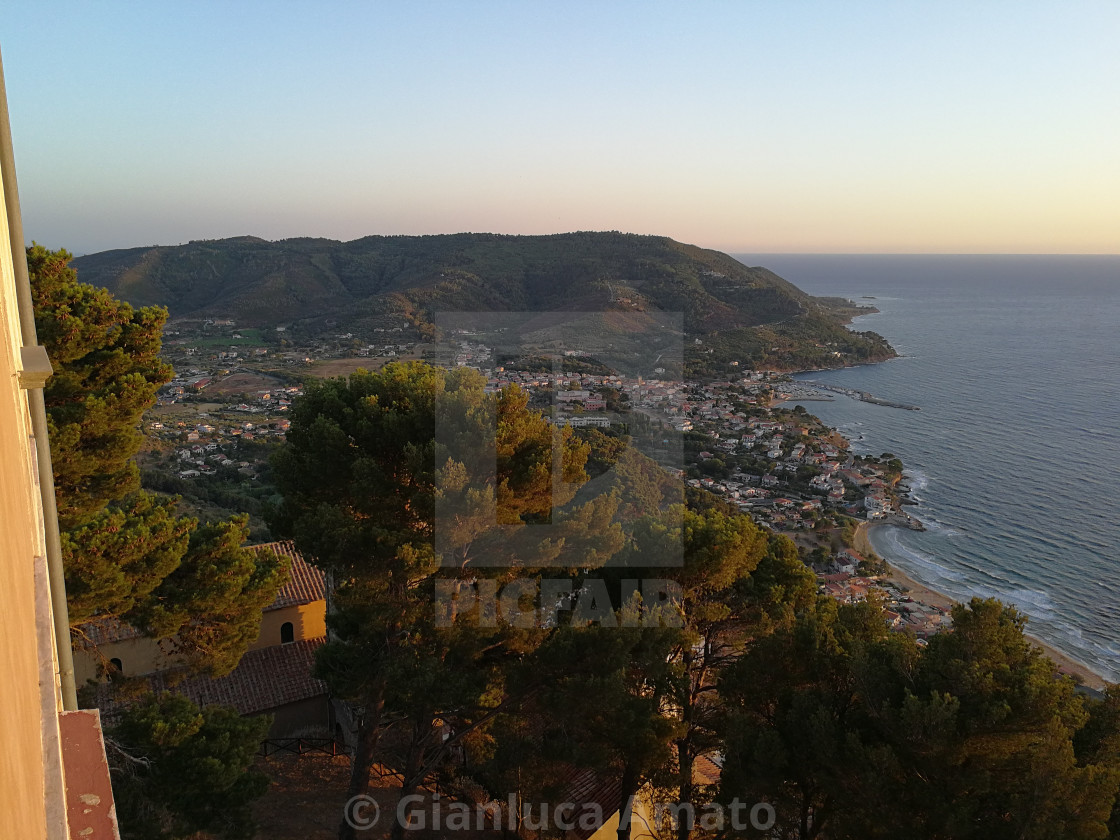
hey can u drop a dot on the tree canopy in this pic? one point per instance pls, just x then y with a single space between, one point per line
127 554
846 729
366 475
107 370
180 770
854 732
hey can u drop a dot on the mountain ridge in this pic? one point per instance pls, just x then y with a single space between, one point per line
738 313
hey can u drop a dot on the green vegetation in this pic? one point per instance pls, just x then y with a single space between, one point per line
225 493
127 555
318 286
815 340
849 730
854 732
362 475
249 337
540 364
179 770
107 370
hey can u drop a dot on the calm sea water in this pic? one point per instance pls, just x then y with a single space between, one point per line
1015 455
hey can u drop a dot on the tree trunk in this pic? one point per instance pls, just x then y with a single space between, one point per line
685 758
369 730
397 831
412 777
626 801
685 761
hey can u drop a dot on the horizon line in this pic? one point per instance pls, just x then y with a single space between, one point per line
729 251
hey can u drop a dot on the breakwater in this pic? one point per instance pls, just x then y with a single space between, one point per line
862 396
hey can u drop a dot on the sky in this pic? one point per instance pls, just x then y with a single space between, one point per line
799 126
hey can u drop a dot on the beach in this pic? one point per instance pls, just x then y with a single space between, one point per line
923 594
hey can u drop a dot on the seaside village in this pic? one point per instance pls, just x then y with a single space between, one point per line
233 386
742 440
781 465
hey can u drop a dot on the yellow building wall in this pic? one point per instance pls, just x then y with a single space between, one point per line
144 656
137 656
25 729
309 621
642 826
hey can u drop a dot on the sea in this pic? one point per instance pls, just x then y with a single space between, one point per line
1014 457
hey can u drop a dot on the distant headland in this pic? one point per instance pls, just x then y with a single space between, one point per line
734 316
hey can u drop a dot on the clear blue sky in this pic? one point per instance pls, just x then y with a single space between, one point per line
791 125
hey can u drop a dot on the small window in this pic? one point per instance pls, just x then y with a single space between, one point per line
116 663
287 633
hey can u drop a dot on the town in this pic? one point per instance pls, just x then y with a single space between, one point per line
746 440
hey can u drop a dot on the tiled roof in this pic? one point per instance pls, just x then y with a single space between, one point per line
266 679
103 631
706 771
305 585
585 787
589 790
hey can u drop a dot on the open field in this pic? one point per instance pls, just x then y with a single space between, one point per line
244 382
250 337
344 367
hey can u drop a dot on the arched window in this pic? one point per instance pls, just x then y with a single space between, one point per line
287 633
117 664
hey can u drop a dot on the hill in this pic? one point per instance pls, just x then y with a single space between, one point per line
737 312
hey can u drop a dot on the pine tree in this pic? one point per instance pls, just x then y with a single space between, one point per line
180 770
107 370
850 731
126 553
364 473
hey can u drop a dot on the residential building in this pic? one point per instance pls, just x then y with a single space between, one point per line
274 677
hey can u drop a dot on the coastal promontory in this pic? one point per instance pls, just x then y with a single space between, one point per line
734 316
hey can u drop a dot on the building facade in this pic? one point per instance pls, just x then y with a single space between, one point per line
55 775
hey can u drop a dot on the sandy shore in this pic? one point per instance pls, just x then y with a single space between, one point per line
920 592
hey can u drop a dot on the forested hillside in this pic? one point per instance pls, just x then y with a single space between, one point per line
743 314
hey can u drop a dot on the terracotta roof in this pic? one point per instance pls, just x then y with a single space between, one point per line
266 679
305 585
706 771
587 789
103 631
